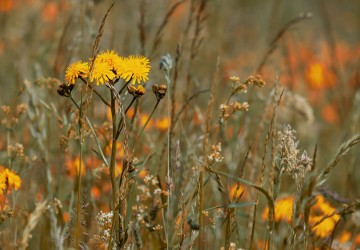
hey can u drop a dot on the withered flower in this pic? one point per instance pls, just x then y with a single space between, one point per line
159 90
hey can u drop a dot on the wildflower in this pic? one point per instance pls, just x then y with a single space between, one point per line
102 72
257 81
344 237
65 90
283 209
318 211
215 155
113 60
135 69
288 154
236 191
235 79
162 124
76 70
73 166
159 91
318 76
9 180
6 5
136 91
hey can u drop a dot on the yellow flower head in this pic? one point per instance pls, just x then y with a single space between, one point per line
102 72
318 211
9 180
136 69
76 70
283 209
113 60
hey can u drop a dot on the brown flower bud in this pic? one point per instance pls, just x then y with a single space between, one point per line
159 91
65 90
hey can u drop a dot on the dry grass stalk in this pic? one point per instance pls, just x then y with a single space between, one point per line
166 19
279 35
343 149
33 220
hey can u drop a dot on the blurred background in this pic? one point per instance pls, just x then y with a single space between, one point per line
311 49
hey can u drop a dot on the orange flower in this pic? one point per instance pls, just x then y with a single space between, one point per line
357 240
95 191
236 190
6 5
162 124
9 180
330 114
72 165
318 76
65 216
142 174
49 12
283 209
344 237
143 119
318 211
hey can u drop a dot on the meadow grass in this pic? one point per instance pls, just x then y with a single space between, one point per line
188 124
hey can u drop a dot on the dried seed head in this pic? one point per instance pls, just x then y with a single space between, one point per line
159 91
235 79
136 91
65 90
290 162
166 62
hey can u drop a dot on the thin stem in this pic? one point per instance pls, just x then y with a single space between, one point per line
147 121
112 163
120 125
97 93
79 173
125 85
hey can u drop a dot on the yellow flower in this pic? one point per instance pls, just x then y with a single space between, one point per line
9 180
162 124
102 72
73 166
136 69
113 60
318 211
283 209
76 70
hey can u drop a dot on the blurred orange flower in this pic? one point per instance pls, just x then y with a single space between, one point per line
6 5
143 119
50 12
318 211
344 237
283 209
65 216
162 124
72 166
95 192
357 240
319 76
236 190
330 114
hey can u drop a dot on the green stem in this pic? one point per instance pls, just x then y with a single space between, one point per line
112 163
79 174
120 125
147 121
97 93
